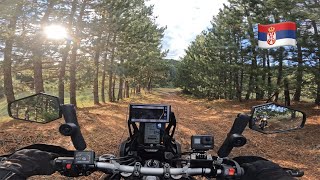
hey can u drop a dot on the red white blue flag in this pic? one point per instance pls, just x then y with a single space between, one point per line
275 35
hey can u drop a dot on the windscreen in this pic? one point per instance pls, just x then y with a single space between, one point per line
149 113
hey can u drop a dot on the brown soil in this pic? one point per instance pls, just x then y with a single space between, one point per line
104 127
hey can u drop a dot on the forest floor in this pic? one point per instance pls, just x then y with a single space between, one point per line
104 127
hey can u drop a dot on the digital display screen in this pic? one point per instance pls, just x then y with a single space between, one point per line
149 113
197 141
152 133
83 157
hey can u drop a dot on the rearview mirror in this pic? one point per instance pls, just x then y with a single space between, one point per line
41 108
274 118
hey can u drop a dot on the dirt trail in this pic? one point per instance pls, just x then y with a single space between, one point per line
104 127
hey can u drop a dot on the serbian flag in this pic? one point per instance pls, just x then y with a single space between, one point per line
275 35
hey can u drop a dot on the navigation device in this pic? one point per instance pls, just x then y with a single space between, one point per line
157 113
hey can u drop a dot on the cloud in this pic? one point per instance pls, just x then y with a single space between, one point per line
185 19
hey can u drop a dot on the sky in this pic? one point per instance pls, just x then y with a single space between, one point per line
185 19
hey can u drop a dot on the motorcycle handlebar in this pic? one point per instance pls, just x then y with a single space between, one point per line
154 171
66 167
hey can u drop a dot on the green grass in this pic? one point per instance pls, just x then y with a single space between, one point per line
3 108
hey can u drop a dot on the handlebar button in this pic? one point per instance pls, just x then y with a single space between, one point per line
232 172
68 166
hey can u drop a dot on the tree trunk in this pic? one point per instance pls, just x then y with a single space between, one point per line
317 100
62 72
110 87
241 85
65 54
230 77
225 85
269 76
7 75
111 93
138 89
297 93
73 67
37 70
124 89
113 89
127 92
73 59
317 69
120 91
96 78
279 78
149 87
7 61
241 75
237 85
253 74
103 80
264 76
38 52
286 92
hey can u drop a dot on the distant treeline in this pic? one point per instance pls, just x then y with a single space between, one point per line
113 47
225 62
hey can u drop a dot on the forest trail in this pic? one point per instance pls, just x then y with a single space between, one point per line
104 127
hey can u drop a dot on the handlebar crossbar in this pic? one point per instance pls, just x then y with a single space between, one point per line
154 171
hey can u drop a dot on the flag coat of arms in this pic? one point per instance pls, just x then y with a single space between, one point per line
275 35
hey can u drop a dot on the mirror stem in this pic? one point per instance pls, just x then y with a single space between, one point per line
69 114
238 127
